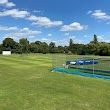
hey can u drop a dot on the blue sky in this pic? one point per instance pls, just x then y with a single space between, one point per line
55 20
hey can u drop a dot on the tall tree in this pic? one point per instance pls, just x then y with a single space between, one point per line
71 45
17 48
8 44
95 39
52 47
33 48
38 46
25 45
44 47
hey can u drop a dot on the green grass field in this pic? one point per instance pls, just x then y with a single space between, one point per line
27 83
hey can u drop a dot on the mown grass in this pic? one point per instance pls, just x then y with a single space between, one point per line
27 83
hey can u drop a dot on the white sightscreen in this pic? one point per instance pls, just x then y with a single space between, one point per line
6 52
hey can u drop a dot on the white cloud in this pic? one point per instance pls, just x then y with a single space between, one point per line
28 31
10 4
100 15
25 32
87 36
54 41
44 39
5 28
62 42
44 22
2 2
101 37
79 41
33 18
6 3
15 13
36 11
72 37
73 27
50 35
66 34
75 40
31 36
108 41
108 23
89 12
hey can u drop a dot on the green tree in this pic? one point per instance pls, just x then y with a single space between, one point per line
33 48
52 47
1 47
104 49
60 49
24 44
17 48
38 42
95 40
79 49
38 46
92 48
44 47
8 44
66 50
71 45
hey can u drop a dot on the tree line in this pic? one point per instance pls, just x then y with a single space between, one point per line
24 46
